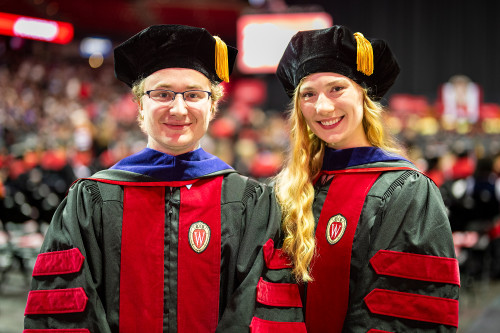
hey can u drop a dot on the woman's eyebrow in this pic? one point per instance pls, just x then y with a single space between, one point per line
329 84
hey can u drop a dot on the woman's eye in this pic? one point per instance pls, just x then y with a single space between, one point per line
307 95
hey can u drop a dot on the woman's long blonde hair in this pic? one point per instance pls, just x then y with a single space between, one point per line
294 187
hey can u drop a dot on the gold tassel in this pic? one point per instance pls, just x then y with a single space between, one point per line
364 58
221 61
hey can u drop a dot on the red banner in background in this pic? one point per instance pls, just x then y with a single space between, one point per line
36 28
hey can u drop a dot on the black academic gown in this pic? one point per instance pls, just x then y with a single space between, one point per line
384 260
392 266
156 243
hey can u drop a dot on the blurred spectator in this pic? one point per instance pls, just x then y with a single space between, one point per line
460 100
60 119
457 191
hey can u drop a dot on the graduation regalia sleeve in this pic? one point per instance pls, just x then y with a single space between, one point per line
279 306
404 276
278 302
259 205
67 285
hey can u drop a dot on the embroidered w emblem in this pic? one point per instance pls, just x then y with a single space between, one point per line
335 228
199 236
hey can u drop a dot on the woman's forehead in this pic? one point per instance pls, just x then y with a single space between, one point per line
321 79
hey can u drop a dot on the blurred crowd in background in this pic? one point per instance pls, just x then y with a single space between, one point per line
61 119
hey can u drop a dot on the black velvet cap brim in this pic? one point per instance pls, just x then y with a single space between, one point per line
335 50
168 46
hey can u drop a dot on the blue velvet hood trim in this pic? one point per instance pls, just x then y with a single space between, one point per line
345 158
164 167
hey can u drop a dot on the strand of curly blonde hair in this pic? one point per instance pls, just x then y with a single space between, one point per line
376 132
295 193
294 184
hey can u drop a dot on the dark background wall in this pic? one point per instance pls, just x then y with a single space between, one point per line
432 39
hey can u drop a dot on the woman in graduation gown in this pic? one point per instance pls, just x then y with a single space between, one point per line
366 231
168 239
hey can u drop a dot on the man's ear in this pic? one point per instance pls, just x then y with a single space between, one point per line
212 112
141 114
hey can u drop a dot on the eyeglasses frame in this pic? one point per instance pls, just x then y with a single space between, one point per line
148 92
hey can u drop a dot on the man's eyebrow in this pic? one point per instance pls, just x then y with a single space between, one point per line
169 86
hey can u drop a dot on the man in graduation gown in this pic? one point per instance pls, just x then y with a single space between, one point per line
168 239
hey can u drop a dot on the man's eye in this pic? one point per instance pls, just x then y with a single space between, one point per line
193 95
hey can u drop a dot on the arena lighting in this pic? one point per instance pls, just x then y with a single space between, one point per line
36 28
262 38
95 45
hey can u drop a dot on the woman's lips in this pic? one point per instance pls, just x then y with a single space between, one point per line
331 123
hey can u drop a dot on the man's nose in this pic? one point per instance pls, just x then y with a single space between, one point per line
178 105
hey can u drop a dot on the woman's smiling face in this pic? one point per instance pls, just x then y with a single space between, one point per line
332 105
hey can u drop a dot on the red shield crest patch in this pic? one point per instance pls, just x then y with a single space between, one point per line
335 228
199 236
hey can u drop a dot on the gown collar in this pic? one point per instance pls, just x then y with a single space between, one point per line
191 165
345 158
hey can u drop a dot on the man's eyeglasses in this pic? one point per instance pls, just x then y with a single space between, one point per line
191 97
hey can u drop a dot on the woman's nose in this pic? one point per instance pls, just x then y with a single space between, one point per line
324 104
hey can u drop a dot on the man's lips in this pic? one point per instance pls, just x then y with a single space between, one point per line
177 125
